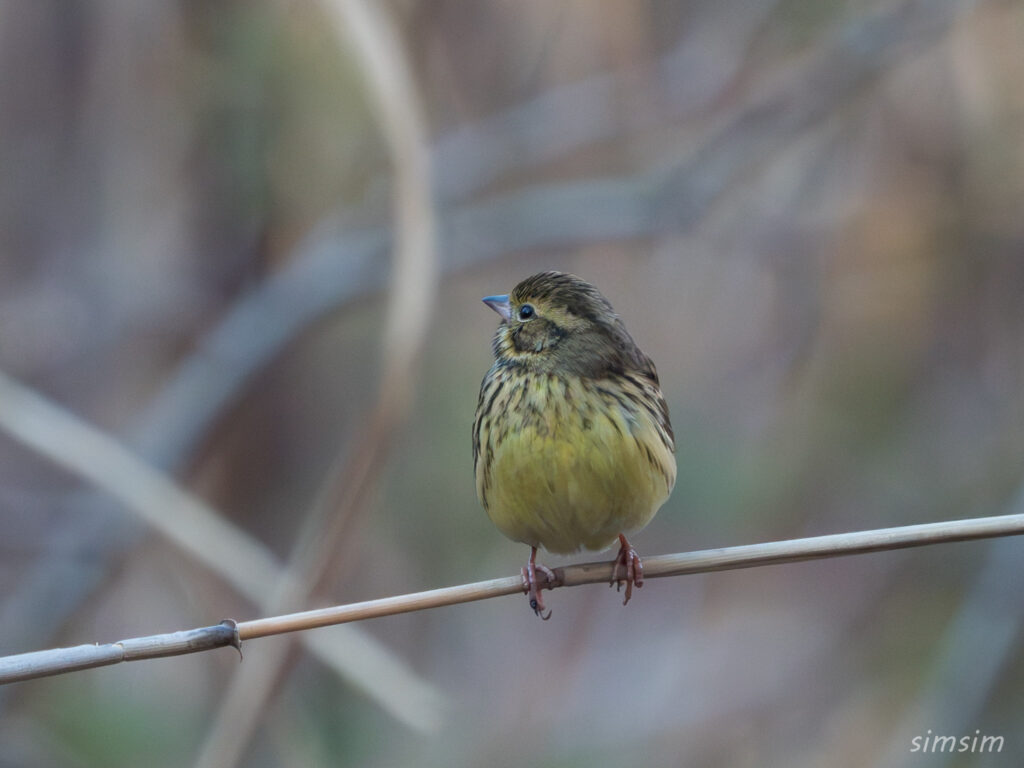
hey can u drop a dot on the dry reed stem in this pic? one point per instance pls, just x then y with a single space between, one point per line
57 661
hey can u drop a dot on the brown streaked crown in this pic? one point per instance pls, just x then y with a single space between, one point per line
572 293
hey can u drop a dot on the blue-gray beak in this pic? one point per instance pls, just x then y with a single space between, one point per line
500 305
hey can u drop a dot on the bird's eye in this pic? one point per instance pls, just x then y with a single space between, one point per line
526 312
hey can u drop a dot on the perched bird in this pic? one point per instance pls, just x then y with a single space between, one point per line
572 444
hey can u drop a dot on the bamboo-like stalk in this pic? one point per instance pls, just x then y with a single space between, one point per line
60 660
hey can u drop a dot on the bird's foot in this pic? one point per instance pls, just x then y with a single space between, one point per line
531 586
627 567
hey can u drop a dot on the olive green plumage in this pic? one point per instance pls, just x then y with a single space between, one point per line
572 444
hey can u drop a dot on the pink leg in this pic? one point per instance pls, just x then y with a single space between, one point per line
629 561
530 585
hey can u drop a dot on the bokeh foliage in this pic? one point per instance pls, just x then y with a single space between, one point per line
808 214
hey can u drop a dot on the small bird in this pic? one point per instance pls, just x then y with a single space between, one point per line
572 443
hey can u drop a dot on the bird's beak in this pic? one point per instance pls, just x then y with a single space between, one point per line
500 305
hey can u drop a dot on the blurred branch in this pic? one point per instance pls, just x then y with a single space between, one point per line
688 78
193 526
39 664
371 34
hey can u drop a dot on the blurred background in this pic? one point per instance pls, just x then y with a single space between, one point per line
808 213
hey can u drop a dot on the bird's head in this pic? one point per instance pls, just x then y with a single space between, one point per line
556 322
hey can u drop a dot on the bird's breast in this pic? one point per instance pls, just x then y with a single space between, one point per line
568 463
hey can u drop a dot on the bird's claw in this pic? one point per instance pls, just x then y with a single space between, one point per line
532 587
627 561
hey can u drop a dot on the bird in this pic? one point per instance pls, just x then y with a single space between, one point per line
572 443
